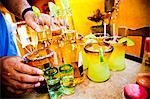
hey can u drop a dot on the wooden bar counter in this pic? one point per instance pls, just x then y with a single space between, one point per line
110 89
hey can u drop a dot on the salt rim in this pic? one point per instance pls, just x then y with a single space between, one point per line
26 60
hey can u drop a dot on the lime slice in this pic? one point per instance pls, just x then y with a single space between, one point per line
89 36
65 4
89 39
66 7
54 10
126 40
36 11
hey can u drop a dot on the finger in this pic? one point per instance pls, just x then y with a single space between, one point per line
25 77
144 74
34 25
45 20
15 91
24 68
18 85
32 21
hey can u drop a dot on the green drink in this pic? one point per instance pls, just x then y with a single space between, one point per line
98 72
117 58
98 69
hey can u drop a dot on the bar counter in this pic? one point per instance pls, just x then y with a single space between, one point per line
110 89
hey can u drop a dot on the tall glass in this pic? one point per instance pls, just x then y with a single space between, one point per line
117 58
69 53
70 36
44 37
40 58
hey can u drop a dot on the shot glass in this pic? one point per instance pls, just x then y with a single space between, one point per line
70 36
53 82
67 78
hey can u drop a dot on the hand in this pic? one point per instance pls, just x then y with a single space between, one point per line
34 22
17 77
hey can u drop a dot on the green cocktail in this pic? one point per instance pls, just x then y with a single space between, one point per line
117 58
98 72
98 69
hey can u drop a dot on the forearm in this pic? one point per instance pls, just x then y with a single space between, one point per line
16 6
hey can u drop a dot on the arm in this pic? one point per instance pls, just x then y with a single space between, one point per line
16 6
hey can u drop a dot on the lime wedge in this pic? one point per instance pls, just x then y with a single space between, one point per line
36 11
126 40
65 4
89 39
89 36
54 10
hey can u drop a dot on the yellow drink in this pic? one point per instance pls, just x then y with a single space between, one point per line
98 69
98 72
91 54
69 53
117 58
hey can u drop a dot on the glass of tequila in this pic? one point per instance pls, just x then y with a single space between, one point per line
40 58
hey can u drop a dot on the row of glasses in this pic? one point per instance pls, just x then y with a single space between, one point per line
114 57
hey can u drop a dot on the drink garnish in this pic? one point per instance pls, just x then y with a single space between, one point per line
127 41
36 11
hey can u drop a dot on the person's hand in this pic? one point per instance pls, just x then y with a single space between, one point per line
18 77
34 22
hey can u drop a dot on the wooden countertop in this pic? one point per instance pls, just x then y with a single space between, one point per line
111 89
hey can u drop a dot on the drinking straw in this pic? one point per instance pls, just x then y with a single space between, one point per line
104 30
114 32
101 53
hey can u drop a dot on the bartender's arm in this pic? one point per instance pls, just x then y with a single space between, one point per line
17 7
